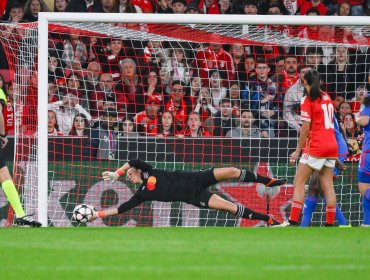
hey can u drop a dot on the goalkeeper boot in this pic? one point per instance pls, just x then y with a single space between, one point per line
272 222
27 221
276 182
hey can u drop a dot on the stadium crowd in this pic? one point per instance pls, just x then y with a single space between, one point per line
110 87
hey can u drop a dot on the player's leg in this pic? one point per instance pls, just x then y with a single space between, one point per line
326 180
365 192
314 189
222 174
300 179
13 197
217 202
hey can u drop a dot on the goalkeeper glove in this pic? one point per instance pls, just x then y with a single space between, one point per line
113 176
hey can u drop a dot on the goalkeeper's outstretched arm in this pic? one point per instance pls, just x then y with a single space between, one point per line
124 207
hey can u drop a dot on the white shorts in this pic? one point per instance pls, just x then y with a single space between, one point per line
317 163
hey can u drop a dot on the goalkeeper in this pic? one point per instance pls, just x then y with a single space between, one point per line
189 187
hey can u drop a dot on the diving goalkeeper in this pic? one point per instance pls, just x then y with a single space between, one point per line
189 187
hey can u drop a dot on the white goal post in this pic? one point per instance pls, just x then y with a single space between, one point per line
46 18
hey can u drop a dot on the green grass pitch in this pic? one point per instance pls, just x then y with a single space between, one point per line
184 253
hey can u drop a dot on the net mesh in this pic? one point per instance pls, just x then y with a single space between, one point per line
110 90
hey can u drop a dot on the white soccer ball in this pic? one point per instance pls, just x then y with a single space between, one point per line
82 213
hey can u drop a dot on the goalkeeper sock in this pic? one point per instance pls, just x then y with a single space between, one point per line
366 207
330 215
247 176
295 212
308 208
247 213
13 198
342 221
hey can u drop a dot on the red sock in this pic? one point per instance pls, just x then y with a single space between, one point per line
295 211
330 215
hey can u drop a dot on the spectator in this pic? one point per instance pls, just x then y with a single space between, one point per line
152 85
344 108
166 125
194 90
208 7
126 6
179 6
223 121
214 57
250 66
16 13
314 58
74 52
292 103
52 91
177 105
316 4
128 128
192 8
327 33
204 105
53 127
341 75
287 77
81 126
350 127
109 6
250 7
310 32
60 5
356 101
55 71
179 66
194 127
217 90
104 137
84 6
344 9
234 94
32 9
107 93
92 77
163 7
147 121
131 86
238 55
260 95
111 58
66 110
155 55
76 87
265 5
338 99
224 7
248 128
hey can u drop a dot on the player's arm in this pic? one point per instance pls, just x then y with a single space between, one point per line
137 163
306 125
134 201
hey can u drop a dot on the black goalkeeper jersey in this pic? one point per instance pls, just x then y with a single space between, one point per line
170 185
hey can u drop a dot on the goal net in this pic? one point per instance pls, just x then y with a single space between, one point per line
100 92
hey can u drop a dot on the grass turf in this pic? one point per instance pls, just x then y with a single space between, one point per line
184 253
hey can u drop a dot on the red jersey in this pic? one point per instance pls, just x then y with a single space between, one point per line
145 5
8 113
323 10
179 112
321 142
207 60
150 126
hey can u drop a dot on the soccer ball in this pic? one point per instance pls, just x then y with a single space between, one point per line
82 213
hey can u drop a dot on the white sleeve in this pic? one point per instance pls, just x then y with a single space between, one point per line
81 110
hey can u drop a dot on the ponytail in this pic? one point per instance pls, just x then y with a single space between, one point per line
313 79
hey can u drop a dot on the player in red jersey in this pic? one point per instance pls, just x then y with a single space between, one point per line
321 151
